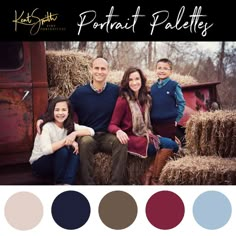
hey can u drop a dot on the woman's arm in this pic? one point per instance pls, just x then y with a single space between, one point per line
117 115
116 120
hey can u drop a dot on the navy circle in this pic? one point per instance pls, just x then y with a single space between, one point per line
70 210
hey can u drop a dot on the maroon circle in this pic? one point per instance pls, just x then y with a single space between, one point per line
165 210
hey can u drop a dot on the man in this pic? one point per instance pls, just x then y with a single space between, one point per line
93 104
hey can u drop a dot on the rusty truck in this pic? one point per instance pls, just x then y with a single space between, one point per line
24 97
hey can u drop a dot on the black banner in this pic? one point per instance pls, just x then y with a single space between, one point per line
114 20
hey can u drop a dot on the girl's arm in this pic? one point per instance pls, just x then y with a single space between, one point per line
81 130
45 142
58 145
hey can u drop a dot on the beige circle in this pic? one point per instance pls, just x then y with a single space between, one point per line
23 210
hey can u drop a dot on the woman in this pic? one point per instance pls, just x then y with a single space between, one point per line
131 124
55 150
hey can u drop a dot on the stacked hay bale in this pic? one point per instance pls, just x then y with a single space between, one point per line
199 170
212 133
66 70
211 141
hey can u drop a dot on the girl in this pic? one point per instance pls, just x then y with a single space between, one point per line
55 150
131 124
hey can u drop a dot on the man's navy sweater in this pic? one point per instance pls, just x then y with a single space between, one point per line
94 109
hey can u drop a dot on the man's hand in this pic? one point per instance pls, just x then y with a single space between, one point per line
38 123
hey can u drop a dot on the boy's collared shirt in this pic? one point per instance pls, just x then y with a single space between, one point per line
180 101
161 83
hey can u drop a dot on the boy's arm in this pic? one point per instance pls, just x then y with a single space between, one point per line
180 101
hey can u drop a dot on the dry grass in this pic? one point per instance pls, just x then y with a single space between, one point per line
115 77
135 169
66 70
199 170
212 133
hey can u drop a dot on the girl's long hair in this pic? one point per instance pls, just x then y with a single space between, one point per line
49 115
125 89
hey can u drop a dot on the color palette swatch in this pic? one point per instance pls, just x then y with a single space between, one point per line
23 210
118 210
70 210
212 210
167 210
168 203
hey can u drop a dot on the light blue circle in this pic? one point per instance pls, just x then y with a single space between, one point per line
212 210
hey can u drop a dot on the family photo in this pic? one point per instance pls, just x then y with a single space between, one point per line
117 113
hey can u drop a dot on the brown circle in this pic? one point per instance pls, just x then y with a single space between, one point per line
117 210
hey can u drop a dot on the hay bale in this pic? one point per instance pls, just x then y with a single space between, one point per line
193 131
115 77
102 168
199 170
66 70
212 133
181 79
136 167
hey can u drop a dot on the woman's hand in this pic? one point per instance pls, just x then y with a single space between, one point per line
122 136
149 131
76 147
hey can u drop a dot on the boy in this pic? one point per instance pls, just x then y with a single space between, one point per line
168 102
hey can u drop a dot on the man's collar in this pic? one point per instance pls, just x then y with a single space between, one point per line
98 90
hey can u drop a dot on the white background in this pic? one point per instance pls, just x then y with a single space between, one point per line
141 226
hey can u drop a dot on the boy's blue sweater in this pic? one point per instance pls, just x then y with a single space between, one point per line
164 108
94 109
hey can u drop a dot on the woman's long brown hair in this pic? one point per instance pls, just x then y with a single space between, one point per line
125 89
